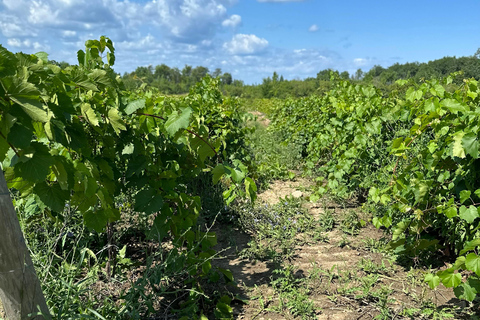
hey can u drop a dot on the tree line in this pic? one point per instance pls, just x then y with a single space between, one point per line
175 81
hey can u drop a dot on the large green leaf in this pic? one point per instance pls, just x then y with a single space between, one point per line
468 214
20 136
27 96
148 201
470 143
465 195
53 196
471 245
432 280
451 212
472 262
450 278
218 173
134 106
457 146
454 106
96 219
115 120
37 167
89 113
177 121
465 291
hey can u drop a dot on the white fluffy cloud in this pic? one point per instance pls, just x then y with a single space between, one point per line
233 21
186 20
27 44
313 28
360 62
245 44
152 32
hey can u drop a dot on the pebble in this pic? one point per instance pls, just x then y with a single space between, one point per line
297 194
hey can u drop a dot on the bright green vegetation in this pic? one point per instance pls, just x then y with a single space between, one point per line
412 157
118 191
76 146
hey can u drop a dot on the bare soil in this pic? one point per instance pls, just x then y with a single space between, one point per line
261 118
339 266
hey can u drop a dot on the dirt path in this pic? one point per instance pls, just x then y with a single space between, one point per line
345 276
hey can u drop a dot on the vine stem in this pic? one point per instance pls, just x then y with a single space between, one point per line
188 130
11 146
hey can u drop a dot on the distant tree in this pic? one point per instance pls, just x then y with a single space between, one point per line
477 54
187 71
198 73
275 77
267 88
162 72
226 78
345 75
359 74
217 73
324 75
62 64
281 78
238 83
145 73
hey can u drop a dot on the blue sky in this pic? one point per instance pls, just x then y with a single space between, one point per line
248 38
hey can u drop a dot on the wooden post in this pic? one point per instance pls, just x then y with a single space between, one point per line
20 289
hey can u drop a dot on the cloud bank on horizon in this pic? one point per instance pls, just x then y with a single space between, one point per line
295 38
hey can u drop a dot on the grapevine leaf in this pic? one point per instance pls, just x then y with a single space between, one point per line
464 195
465 291
89 114
116 121
400 229
106 168
472 262
178 121
457 147
32 107
81 57
42 56
451 212
96 219
20 136
250 188
471 245
450 278
469 214
459 263
100 76
454 106
52 196
61 175
148 201
237 175
37 167
438 90
128 149
110 58
432 280
218 172
470 143
134 106
205 151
